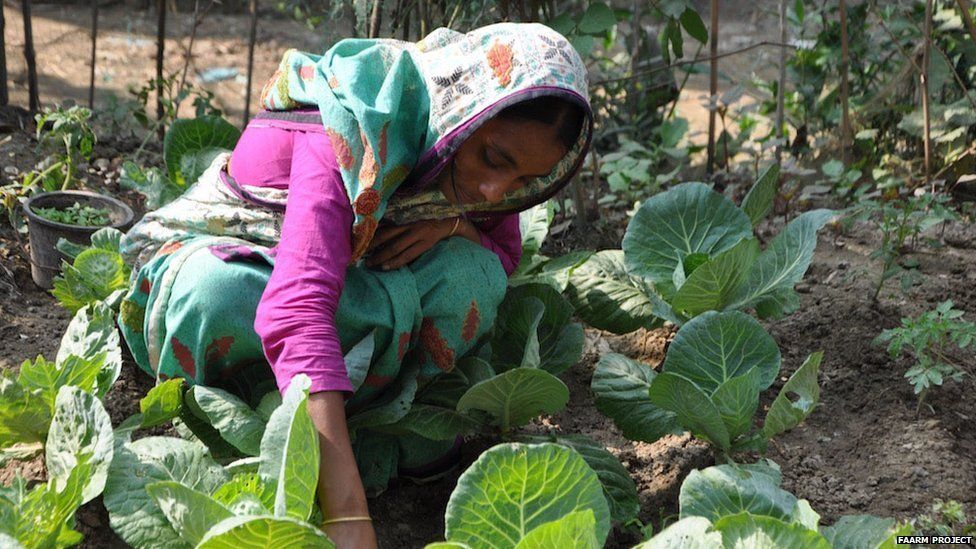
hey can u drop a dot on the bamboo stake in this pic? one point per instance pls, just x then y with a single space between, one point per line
4 97
94 36
845 122
781 89
375 19
967 18
34 96
634 55
160 50
712 88
252 38
924 78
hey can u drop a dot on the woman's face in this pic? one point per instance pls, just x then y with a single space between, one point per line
501 156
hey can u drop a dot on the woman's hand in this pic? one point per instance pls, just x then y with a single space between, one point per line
340 489
397 245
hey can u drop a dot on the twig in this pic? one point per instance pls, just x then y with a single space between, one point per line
781 89
160 51
34 96
845 124
4 98
94 36
712 87
375 19
684 82
198 17
252 38
691 62
926 57
967 18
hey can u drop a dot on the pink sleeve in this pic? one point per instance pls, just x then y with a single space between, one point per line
503 237
296 315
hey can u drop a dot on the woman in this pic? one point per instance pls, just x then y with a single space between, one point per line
403 167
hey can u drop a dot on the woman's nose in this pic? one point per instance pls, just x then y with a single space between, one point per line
494 191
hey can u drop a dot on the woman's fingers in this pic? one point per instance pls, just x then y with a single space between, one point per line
386 233
391 248
407 255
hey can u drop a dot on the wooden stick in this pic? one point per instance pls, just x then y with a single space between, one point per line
967 18
94 37
845 121
160 51
634 57
422 17
926 57
252 38
34 96
781 89
712 88
4 97
375 19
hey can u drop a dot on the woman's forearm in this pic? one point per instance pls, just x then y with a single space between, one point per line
340 489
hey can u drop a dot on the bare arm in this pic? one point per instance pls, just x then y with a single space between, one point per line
340 488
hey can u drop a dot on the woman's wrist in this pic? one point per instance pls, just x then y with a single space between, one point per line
459 226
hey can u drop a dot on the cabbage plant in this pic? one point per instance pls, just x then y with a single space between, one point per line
169 492
690 250
709 384
534 267
96 272
744 506
526 496
89 358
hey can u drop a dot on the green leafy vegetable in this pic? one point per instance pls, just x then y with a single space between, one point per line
162 403
76 214
97 273
80 430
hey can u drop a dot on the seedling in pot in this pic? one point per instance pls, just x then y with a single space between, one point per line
76 214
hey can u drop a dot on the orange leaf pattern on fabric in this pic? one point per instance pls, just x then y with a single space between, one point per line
341 148
269 86
471 322
367 202
333 82
145 286
500 60
170 247
440 352
218 349
383 143
369 167
362 235
307 72
377 381
184 356
402 345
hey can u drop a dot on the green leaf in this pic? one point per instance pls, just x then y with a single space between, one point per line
712 286
91 332
715 347
517 396
392 406
582 43
290 453
692 22
193 135
763 532
132 512
80 427
534 226
244 489
691 406
563 23
783 264
676 38
236 422
858 532
560 339
576 529
621 386
555 272
258 532
723 490
69 249
759 200
162 403
514 488
436 422
687 533
689 218
606 297
190 512
157 189
787 412
737 400
194 163
618 486
598 19
107 238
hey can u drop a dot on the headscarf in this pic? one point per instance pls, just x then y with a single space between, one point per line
396 112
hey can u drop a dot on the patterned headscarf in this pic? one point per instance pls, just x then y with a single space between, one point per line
396 112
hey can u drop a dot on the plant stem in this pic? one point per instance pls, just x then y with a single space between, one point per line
926 61
781 88
845 125
712 87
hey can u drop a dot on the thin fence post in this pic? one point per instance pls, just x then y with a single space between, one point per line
253 8
4 97
926 61
94 35
845 121
160 50
34 95
781 88
712 88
